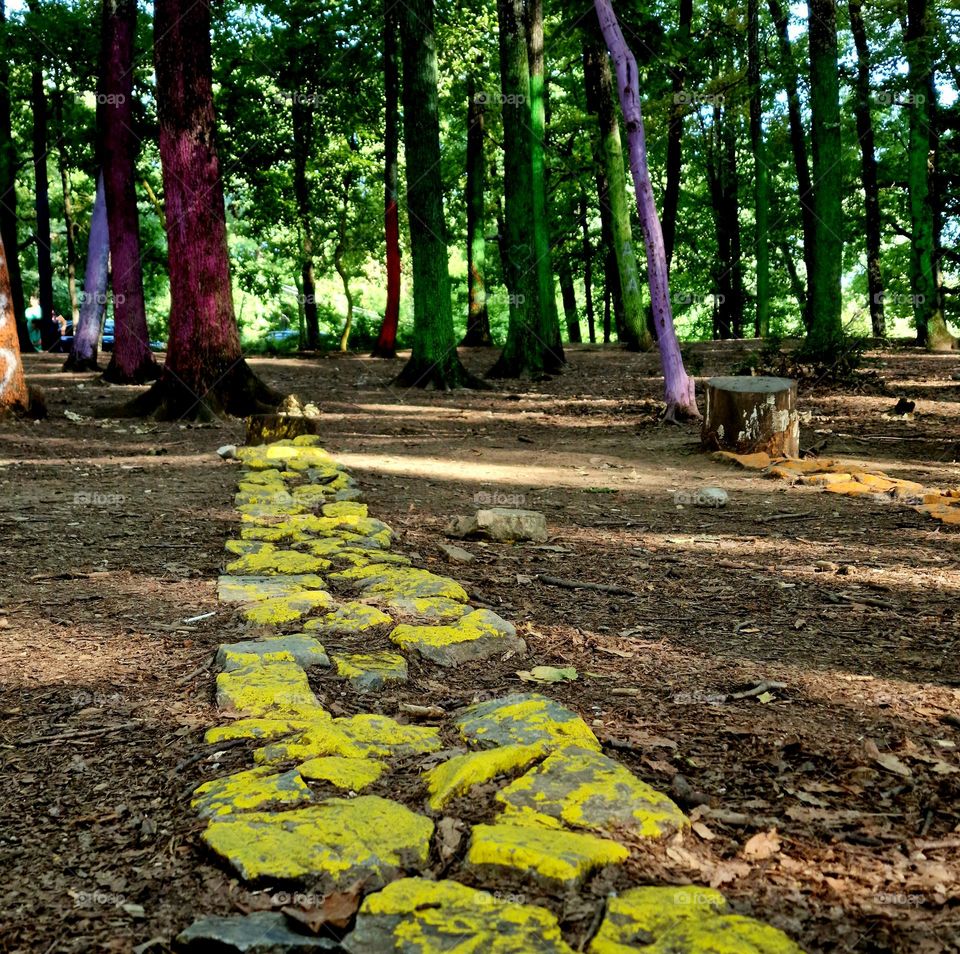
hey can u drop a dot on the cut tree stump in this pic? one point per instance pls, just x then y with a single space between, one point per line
748 414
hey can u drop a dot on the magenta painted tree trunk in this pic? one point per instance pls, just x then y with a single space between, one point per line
679 387
83 350
132 362
205 374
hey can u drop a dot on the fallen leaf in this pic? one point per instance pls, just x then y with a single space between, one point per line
336 910
766 697
764 844
548 674
703 831
886 760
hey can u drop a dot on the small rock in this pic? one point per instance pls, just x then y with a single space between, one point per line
503 524
227 452
711 497
261 932
903 406
457 554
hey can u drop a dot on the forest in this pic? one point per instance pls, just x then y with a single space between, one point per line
480 477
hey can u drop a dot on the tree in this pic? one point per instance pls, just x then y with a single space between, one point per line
434 360
825 330
925 282
13 386
205 374
86 334
386 346
761 180
671 194
678 387
38 102
8 189
530 346
478 319
131 361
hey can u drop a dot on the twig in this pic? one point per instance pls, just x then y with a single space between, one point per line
783 516
757 690
583 585
85 733
218 747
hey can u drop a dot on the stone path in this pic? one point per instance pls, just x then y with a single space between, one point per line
313 576
852 480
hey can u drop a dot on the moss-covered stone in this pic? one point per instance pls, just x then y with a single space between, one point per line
426 607
477 635
250 790
252 589
584 789
348 774
272 562
400 581
339 841
370 672
524 719
277 688
352 617
345 509
548 856
287 609
457 776
417 916
301 648
275 726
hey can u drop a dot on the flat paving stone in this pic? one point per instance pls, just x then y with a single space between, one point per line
584 789
305 650
417 916
352 617
349 774
250 589
250 790
478 635
524 719
260 932
340 840
400 581
277 562
287 609
370 672
259 689
458 775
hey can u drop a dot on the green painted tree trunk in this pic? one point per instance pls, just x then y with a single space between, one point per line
569 297
599 91
478 320
761 177
925 280
434 361
825 332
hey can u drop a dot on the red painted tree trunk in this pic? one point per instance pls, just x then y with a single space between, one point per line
678 386
132 362
83 351
386 346
13 385
205 374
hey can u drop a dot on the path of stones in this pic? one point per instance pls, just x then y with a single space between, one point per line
314 810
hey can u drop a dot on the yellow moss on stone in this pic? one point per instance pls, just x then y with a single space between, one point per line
277 688
475 625
352 617
442 917
584 789
758 461
428 607
277 562
524 718
339 840
457 776
286 609
265 729
371 671
252 589
250 790
401 581
546 854
348 774
262 478
345 508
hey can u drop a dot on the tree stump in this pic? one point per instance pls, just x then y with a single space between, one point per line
267 428
748 414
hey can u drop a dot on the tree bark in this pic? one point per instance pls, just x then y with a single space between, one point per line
825 329
798 143
569 298
434 361
86 334
13 385
587 271
70 225
599 92
678 387
868 170
671 194
925 277
131 361
205 374
478 319
8 191
386 346
528 349
761 175
49 332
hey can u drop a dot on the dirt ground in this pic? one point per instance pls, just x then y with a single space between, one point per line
831 808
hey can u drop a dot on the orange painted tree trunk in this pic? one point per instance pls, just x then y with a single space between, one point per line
13 385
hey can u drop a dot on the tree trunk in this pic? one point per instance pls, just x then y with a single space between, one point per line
678 387
49 332
345 281
761 175
13 385
131 361
599 92
528 349
86 334
798 142
796 283
671 194
478 319
925 278
587 271
8 191
68 220
868 170
386 346
434 360
825 331
748 415
205 374
533 28
569 297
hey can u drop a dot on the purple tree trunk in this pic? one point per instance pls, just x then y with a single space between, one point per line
679 387
83 351
132 362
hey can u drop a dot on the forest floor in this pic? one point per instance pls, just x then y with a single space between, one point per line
113 538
